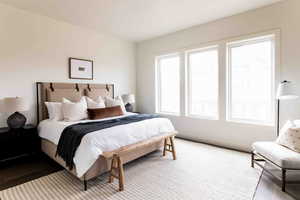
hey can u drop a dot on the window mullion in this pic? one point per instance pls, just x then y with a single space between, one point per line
222 102
183 99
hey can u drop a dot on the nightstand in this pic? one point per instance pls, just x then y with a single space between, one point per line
18 143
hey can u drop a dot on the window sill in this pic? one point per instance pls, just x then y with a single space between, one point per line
189 116
202 117
251 122
169 114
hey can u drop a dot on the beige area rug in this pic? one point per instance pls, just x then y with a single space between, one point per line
200 172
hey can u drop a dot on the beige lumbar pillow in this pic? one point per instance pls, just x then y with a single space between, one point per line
98 103
74 111
289 136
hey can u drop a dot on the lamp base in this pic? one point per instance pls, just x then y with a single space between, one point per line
16 121
129 107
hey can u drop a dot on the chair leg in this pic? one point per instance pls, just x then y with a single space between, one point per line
117 171
252 159
283 180
169 146
85 185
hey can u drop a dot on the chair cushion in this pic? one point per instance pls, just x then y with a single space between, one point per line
278 154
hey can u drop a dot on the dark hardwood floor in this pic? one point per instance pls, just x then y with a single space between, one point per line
26 169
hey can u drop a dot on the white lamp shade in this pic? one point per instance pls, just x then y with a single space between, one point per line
14 104
128 98
286 91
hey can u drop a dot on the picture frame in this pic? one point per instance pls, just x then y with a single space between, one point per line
81 69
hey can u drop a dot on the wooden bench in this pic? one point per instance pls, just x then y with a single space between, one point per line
117 169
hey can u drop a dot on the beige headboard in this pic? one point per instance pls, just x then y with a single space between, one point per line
54 92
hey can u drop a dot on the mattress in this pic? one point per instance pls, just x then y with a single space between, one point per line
95 143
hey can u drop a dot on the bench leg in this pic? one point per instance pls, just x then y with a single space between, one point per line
169 146
121 174
173 148
283 180
117 171
165 146
112 169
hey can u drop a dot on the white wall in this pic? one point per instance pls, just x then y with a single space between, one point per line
284 16
36 48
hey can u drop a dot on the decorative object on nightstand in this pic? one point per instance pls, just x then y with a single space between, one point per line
284 92
18 143
16 105
129 99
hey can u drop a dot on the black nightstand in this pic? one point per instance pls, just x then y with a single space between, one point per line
18 143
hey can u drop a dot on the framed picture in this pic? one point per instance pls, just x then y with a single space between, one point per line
81 69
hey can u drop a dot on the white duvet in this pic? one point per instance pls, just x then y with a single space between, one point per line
95 143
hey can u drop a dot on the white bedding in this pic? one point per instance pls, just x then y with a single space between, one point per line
95 143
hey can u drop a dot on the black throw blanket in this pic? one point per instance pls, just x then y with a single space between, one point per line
72 135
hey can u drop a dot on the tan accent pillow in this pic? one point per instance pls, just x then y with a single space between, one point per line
289 136
101 113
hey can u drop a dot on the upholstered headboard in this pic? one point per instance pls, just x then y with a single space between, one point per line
54 92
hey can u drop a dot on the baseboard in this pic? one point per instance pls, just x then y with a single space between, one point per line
212 144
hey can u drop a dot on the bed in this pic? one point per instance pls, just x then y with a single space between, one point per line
100 153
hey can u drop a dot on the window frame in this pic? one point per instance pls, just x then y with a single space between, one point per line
189 82
243 42
158 83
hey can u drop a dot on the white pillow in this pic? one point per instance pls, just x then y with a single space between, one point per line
74 111
55 111
99 103
289 136
110 102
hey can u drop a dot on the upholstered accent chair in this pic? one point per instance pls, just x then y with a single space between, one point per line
277 155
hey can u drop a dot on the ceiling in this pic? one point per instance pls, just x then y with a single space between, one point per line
138 20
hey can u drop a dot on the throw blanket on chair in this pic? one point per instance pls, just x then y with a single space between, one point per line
72 135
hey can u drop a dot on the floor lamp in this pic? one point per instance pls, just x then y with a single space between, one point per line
284 92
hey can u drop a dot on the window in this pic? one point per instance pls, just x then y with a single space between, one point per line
251 81
168 84
202 80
